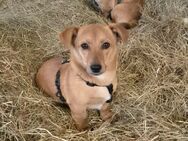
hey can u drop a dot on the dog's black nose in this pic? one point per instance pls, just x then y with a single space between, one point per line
96 68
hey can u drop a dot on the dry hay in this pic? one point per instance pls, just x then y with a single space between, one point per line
152 95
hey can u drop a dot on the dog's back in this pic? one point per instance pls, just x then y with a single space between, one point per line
46 75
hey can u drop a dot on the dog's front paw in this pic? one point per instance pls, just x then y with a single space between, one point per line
106 116
82 127
106 113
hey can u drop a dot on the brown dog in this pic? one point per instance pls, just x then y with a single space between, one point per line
104 6
89 79
129 12
122 11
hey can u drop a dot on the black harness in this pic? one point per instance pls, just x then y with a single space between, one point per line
58 84
61 97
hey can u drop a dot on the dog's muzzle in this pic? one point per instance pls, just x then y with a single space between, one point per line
96 69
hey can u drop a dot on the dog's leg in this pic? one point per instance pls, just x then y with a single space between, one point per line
106 112
80 116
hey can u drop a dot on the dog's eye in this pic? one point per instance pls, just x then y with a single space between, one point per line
105 45
85 46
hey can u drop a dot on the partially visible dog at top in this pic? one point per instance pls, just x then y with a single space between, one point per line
120 11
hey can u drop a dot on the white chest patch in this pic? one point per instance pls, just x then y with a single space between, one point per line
106 76
101 96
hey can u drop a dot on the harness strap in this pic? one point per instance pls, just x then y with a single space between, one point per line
65 61
91 84
110 90
58 86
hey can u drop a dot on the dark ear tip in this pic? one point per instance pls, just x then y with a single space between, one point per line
120 32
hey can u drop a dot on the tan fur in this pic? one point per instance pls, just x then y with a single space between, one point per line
106 6
78 95
129 11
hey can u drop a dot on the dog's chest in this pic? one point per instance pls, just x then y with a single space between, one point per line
98 97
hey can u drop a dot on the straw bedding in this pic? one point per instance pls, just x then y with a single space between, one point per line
152 97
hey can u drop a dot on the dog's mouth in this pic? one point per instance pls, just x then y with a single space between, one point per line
96 74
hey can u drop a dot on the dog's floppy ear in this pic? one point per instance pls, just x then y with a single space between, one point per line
120 32
68 36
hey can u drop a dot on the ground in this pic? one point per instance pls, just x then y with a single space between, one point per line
152 96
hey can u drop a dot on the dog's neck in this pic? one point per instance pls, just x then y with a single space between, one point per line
101 80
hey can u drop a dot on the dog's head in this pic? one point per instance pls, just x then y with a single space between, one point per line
94 47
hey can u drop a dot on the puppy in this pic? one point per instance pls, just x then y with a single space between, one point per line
128 12
104 6
89 79
121 11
